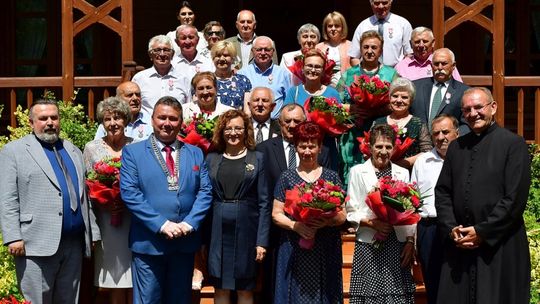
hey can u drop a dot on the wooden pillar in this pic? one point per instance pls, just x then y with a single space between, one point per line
498 59
67 50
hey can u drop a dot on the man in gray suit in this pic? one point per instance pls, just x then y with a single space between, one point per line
44 215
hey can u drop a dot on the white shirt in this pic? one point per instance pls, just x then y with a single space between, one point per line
200 63
425 173
265 129
443 93
286 147
154 86
192 108
397 36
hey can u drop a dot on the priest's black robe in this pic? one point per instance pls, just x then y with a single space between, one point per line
485 183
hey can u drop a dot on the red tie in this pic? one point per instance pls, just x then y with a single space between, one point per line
169 159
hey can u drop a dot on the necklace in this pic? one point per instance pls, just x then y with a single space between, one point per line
172 179
235 155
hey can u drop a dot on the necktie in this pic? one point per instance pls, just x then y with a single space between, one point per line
259 136
69 182
380 27
292 157
437 100
169 161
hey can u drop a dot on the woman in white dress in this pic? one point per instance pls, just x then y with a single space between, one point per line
112 264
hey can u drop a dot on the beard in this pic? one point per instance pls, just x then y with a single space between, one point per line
49 138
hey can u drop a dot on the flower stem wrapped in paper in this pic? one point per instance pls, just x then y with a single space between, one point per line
329 114
297 68
395 202
198 132
104 189
369 97
403 143
307 201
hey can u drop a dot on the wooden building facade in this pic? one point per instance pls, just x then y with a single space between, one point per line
94 44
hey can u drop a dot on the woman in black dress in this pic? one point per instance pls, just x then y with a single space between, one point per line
241 210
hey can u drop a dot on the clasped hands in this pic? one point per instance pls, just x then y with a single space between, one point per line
465 237
175 230
309 229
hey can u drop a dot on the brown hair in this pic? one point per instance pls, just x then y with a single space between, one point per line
218 139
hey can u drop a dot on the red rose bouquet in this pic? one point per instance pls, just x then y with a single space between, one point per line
103 187
297 68
369 94
13 300
395 202
199 132
329 114
313 200
403 143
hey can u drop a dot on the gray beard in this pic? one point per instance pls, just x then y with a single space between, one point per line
48 138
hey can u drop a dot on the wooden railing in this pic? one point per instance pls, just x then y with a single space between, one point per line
526 107
99 88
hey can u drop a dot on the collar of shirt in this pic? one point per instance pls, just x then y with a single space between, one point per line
240 40
256 123
415 62
170 74
138 120
265 72
375 20
195 60
446 83
434 156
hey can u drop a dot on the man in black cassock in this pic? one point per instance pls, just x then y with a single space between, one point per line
480 197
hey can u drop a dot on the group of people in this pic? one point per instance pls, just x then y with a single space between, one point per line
190 218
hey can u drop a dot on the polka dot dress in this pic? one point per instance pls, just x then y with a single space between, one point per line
376 276
308 276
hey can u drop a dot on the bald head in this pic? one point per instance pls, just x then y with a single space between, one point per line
246 24
130 93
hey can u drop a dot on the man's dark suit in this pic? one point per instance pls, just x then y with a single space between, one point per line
452 105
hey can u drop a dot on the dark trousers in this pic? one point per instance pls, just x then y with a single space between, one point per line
430 255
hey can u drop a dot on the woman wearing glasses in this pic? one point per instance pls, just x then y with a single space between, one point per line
241 210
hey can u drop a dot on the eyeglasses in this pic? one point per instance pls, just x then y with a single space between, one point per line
477 108
161 50
211 33
238 130
313 67
260 50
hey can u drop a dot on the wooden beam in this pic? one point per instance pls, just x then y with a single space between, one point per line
95 15
127 30
498 59
438 22
472 13
67 49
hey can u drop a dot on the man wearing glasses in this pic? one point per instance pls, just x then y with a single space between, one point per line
162 79
262 72
480 197
440 93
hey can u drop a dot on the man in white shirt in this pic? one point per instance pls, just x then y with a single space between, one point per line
395 30
190 61
425 173
261 103
162 79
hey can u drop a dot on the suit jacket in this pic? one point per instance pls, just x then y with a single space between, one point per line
144 189
275 129
239 64
253 217
451 106
31 201
362 179
276 163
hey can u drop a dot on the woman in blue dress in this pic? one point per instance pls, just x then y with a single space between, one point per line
233 88
307 275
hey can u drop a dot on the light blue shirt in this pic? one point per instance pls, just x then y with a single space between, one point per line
139 129
299 95
275 78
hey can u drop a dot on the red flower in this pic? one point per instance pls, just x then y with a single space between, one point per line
196 168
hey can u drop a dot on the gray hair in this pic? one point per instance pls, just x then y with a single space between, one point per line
443 116
42 102
182 27
306 28
263 37
290 107
252 15
159 39
484 90
403 84
113 105
422 29
268 90
452 56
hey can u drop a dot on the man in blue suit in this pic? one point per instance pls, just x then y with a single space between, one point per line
165 185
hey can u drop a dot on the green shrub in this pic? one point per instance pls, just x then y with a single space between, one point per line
8 279
531 216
